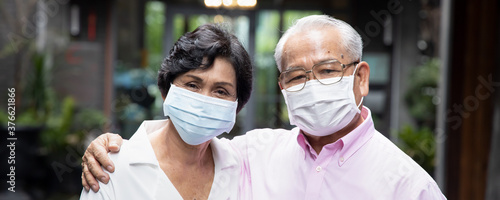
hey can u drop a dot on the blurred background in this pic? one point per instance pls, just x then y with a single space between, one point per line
80 68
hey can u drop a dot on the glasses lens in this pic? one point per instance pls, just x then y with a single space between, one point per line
293 80
329 72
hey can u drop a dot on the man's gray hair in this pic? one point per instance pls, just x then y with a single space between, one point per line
350 39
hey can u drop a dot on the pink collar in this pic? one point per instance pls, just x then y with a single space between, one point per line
347 145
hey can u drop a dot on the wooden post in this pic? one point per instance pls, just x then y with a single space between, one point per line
469 117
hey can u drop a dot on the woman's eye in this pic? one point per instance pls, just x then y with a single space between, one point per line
191 85
222 92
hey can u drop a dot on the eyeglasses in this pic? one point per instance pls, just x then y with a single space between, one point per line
326 72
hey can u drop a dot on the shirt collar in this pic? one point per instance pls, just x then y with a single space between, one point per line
348 144
304 144
142 151
301 139
354 140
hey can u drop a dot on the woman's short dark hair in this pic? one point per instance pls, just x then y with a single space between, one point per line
207 41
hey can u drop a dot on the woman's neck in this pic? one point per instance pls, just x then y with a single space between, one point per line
169 147
189 168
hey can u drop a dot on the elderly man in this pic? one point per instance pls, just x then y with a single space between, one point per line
335 151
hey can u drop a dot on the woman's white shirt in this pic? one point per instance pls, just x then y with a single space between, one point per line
138 174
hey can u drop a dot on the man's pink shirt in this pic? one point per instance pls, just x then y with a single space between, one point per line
364 164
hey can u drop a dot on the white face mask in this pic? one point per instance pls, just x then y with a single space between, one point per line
322 110
196 117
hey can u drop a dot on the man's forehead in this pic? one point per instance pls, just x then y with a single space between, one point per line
314 44
317 38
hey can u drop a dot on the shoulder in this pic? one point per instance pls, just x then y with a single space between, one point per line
107 191
120 159
274 132
258 147
136 176
384 149
405 176
262 141
267 136
102 194
223 149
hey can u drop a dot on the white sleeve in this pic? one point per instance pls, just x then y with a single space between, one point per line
91 195
105 192
431 191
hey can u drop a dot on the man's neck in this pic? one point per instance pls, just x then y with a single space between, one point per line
318 142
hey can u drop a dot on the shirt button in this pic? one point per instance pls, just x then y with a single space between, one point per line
342 159
318 168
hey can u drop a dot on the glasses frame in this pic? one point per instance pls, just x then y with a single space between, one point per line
344 66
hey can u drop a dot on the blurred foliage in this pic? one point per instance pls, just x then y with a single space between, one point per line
267 34
154 26
62 124
179 28
422 91
420 145
155 19
68 125
58 126
37 95
266 38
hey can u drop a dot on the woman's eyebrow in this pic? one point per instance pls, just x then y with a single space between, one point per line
195 77
222 83
219 83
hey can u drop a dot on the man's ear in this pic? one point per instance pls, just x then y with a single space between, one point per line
364 77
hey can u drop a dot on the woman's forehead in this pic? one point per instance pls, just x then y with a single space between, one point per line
221 70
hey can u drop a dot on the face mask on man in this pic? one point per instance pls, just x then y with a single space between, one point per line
196 117
320 109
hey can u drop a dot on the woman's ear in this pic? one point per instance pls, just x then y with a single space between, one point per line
363 76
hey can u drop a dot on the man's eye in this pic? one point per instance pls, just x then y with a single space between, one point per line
296 78
328 71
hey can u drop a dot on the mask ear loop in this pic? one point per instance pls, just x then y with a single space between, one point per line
362 98
360 101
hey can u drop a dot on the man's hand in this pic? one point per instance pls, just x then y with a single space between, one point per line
96 155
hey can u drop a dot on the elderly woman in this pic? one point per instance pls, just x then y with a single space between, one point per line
205 81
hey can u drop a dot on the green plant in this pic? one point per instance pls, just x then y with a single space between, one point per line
58 126
35 106
421 92
61 122
419 144
68 125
